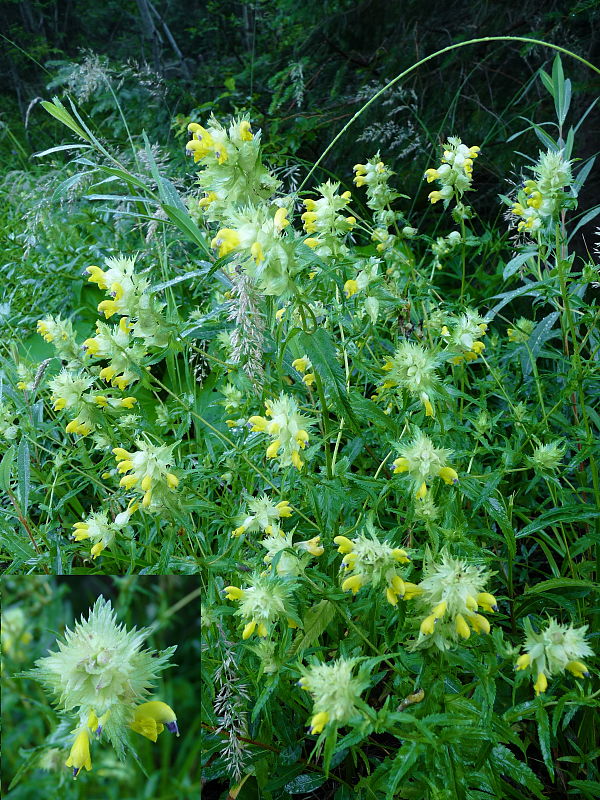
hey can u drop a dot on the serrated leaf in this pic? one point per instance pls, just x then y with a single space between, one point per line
5 468
515 263
303 784
539 336
581 176
316 619
271 684
196 273
320 349
406 757
543 725
529 288
504 761
498 513
23 474
571 513
183 221
560 583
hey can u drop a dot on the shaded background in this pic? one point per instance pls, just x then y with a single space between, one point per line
301 70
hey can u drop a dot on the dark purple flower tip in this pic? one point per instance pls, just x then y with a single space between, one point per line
98 730
76 771
172 727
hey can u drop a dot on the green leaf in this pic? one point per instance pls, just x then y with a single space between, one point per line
406 757
23 474
18 545
316 619
547 81
539 336
560 583
59 112
303 784
196 273
504 762
497 512
561 90
320 349
543 725
6 467
516 262
572 513
183 221
60 147
507 297
270 686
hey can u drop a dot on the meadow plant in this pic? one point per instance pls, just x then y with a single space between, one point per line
100 677
427 379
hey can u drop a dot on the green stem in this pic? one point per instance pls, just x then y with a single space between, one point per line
412 68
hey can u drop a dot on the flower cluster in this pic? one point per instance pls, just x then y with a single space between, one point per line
233 173
60 332
463 337
553 650
367 561
304 367
14 634
129 297
257 236
99 530
149 474
444 246
324 222
547 457
102 675
335 691
70 391
413 370
423 461
455 173
541 199
364 277
265 601
375 176
451 594
114 343
288 429
263 515
289 557
522 330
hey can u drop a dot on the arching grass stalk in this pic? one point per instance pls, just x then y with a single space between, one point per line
430 57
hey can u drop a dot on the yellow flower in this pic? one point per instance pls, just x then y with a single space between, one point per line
245 131
80 753
541 683
301 364
351 288
353 583
150 719
226 241
319 721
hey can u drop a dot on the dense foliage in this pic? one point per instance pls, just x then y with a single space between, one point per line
355 394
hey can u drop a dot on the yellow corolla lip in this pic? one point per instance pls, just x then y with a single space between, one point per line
80 753
158 712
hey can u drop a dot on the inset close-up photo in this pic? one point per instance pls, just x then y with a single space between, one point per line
99 679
